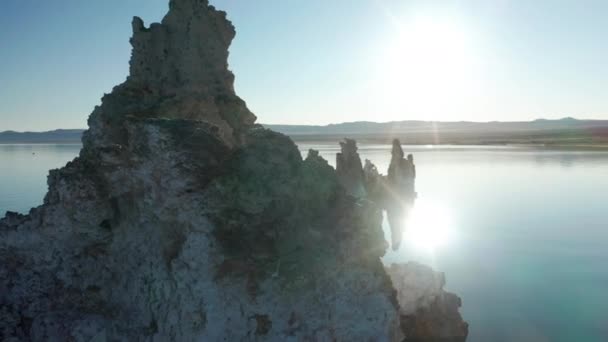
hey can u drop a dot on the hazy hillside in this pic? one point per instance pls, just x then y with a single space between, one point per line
57 136
567 131
396 127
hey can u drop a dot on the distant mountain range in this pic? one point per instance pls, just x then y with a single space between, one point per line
541 131
563 131
58 136
402 127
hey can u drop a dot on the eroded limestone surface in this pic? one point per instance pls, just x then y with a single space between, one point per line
425 308
182 220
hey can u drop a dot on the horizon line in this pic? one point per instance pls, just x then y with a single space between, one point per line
349 122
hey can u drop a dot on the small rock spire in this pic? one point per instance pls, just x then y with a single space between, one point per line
349 169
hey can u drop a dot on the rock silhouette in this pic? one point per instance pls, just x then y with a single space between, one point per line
183 220
350 170
401 193
394 192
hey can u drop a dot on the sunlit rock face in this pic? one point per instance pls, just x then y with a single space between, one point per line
183 221
427 311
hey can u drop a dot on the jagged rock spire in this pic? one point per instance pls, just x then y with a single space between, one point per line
188 49
178 70
400 199
349 169
395 192
401 171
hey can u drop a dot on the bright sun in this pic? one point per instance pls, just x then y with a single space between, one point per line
429 226
429 67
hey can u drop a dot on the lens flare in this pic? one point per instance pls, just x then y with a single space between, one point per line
429 226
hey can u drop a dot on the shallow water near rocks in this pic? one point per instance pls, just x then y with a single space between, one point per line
520 233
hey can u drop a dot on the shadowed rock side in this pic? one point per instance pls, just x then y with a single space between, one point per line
394 192
350 170
182 220
427 312
400 192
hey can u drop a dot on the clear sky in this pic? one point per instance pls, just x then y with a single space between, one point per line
320 61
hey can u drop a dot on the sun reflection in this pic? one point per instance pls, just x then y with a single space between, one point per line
429 226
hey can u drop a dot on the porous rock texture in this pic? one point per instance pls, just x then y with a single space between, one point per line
182 220
425 308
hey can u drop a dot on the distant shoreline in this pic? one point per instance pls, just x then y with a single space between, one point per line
548 147
40 143
567 133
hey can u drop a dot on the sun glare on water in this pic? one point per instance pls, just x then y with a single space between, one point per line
429 226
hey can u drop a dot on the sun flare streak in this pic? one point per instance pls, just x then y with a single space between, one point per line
429 226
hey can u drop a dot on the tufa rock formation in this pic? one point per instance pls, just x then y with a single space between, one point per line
349 169
395 192
401 193
182 220
178 70
425 309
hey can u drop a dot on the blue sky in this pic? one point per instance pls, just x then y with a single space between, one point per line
319 61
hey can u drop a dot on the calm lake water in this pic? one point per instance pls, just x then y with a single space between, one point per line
521 234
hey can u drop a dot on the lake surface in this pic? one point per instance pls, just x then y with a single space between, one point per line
23 172
521 234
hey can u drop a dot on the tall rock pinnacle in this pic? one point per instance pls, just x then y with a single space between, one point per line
349 169
178 70
401 180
